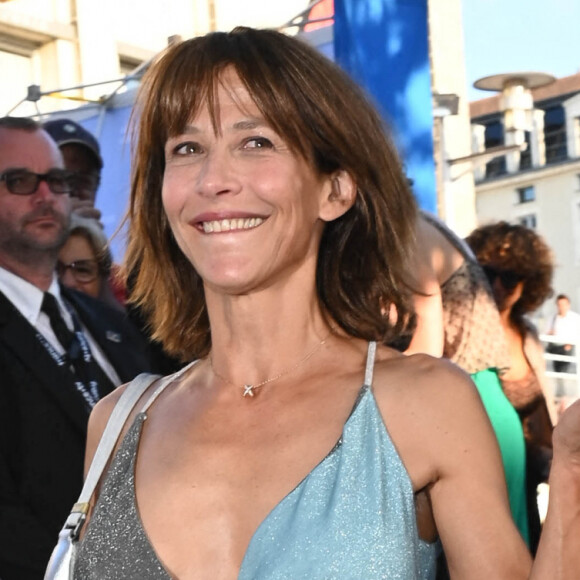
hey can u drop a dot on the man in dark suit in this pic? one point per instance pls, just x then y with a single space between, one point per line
82 155
60 351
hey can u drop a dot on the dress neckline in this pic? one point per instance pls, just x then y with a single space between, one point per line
138 424
142 415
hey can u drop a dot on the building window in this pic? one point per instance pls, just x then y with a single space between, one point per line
494 138
129 64
19 69
528 220
577 135
526 155
526 194
555 134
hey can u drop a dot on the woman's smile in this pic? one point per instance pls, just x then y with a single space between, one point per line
227 224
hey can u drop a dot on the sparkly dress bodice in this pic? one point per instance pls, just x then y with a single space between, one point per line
352 517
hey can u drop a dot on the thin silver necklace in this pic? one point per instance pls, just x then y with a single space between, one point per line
248 390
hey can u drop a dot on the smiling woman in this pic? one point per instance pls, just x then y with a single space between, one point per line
271 227
244 173
289 116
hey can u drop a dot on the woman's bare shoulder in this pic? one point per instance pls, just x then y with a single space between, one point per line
429 405
102 411
421 375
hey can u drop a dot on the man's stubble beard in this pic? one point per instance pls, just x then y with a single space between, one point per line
30 247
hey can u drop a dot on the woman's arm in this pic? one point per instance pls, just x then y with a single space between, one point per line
558 555
468 494
441 430
469 497
429 335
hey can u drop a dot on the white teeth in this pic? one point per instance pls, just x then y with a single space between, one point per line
227 225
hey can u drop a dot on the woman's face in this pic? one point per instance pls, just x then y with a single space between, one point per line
245 210
77 266
507 287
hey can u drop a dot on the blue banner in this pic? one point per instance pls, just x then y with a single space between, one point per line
383 45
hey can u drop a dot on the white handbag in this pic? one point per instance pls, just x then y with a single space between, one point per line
62 561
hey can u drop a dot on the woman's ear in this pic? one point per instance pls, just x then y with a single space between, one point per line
339 197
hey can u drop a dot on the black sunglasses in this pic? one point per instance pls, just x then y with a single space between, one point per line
23 182
509 280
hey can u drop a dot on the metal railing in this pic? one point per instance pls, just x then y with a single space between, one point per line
571 379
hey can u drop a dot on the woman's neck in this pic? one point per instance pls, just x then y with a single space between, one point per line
508 322
259 334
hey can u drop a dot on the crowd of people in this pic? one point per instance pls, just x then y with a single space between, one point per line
326 412
60 351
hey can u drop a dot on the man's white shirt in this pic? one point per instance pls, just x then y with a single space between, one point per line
566 328
27 299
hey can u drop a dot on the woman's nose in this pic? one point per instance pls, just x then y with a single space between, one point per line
218 175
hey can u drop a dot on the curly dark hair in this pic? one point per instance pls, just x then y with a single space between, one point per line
518 250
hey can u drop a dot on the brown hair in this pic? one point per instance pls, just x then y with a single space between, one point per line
325 118
519 250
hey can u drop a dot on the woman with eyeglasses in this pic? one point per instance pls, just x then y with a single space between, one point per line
85 262
519 266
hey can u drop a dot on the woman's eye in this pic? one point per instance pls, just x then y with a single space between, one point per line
186 149
258 143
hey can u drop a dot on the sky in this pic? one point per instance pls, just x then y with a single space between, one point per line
503 36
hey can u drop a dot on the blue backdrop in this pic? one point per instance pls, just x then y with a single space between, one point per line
383 45
110 128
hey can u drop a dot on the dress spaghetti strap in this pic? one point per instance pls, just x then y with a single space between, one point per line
165 381
370 363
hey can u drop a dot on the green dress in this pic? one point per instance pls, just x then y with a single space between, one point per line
510 436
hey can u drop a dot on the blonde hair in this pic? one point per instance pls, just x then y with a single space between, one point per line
91 231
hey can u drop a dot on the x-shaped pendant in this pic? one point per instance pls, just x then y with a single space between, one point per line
248 391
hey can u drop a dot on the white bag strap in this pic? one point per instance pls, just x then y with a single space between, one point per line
117 420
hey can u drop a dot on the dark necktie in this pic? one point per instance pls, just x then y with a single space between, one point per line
85 371
59 327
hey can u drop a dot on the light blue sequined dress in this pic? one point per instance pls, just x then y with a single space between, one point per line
351 518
